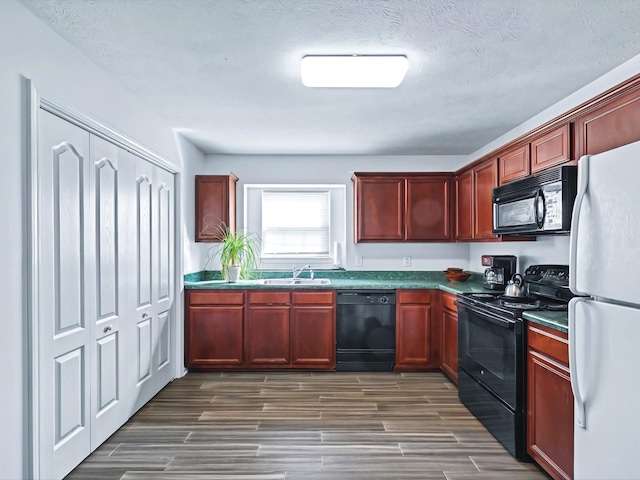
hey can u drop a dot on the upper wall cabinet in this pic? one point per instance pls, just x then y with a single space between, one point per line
514 164
474 219
551 149
611 125
396 207
545 151
215 205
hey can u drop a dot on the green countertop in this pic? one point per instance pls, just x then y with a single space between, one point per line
359 280
556 320
362 280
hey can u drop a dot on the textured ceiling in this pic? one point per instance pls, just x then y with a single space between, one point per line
226 72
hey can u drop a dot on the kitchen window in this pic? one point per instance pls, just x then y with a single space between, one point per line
298 224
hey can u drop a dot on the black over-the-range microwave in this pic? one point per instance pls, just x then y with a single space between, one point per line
537 205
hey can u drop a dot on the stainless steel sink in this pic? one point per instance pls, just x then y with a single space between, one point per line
295 282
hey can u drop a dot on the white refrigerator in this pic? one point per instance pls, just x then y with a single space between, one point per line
604 326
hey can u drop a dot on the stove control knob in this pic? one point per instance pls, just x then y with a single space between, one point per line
481 372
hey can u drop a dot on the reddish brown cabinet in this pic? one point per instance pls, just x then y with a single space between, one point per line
549 401
313 329
514 164
260 329
378 208
395 207
464 205
215 205
268 338
415 331
551 149
214 329
474 219
485 179
611 124
428 211
449 336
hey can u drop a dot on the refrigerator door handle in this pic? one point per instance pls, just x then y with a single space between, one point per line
583 180
573 368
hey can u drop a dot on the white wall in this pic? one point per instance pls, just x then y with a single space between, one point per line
193 164
28 49
336 169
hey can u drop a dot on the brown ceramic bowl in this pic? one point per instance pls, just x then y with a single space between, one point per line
454 270
457 276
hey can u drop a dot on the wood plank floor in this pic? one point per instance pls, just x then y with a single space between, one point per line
312 426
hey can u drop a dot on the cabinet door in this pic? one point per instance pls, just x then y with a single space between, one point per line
215 205
215 336
485 179
514 164
613 124
450 344
268 335
313 336
549 402
464 206
379 207
550 149
413 331
428 208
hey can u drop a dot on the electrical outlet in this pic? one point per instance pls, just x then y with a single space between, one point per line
407 261
358 260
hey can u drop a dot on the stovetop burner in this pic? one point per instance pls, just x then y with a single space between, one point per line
513 306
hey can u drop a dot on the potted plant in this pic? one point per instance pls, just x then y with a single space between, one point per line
239 252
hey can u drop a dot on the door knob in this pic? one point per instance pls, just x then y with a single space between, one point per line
107 329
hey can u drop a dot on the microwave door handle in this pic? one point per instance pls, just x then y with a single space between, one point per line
539 214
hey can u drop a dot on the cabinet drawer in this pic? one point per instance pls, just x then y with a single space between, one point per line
448 300
270 298
414 296
549 342
216 298
314 298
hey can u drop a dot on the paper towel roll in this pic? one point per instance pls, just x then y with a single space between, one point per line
337 254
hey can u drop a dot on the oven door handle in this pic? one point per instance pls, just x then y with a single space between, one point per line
489 316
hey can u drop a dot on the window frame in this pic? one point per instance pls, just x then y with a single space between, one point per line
337 225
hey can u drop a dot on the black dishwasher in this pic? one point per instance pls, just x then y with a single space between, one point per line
366 330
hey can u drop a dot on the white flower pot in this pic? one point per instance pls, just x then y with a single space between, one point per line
232 274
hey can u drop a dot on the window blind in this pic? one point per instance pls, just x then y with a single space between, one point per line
295 222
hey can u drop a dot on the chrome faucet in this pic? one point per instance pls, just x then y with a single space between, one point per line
297 272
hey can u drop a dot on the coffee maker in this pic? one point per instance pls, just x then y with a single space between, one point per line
500 270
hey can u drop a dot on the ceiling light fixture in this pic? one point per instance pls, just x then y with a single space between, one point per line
353 71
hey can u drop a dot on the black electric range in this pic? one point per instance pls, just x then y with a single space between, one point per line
492 351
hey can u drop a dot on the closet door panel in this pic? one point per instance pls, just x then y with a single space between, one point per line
108 412
163 245
63 315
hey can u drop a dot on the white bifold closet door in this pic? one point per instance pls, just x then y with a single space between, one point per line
105 289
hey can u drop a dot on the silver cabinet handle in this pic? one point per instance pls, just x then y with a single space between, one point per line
107 329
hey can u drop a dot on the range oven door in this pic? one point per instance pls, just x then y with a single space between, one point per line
491 350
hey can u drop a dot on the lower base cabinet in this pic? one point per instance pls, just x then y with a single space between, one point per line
449 336
261 329
415 331
549 401
313 330
268 338
219 316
